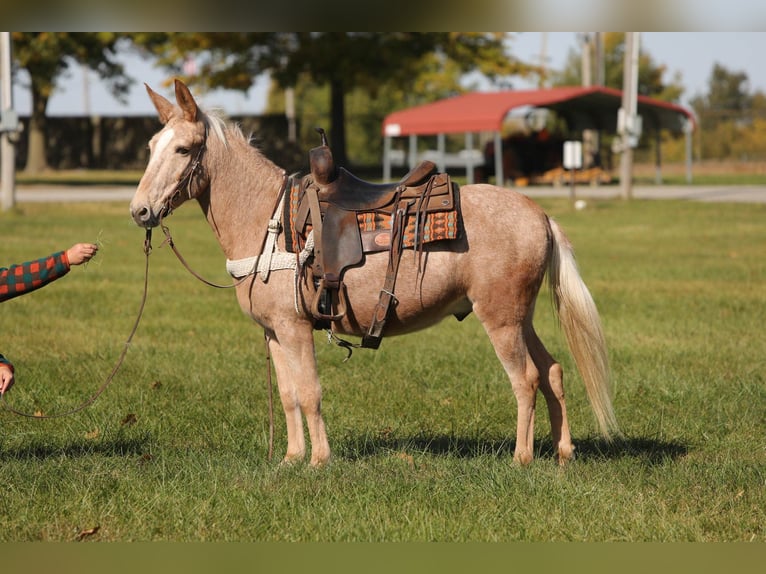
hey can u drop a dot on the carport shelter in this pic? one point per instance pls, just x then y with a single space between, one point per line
583 108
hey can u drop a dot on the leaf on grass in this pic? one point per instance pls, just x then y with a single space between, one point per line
407 458
92 434
88 532
156 384
130 419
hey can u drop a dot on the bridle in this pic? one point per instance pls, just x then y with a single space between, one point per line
184 184
185 180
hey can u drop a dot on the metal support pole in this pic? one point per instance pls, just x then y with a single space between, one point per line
469 160
658 157
386 158
688 128
499 176
413 153
441 149
7 148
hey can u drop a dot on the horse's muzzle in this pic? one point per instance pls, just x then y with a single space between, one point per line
144 216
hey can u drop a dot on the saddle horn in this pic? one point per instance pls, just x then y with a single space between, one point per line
322 134
322 164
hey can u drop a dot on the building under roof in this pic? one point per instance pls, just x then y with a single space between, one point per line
583 108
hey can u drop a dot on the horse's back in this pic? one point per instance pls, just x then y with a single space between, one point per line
503 248
505 230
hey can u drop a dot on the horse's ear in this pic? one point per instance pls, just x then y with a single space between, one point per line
186 101
163 105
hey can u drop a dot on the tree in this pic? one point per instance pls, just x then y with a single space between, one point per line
342 61
728 95
48 55
650 74
731 117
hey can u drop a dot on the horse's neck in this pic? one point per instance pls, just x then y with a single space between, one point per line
244 187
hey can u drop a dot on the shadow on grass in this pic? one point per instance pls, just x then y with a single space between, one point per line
77 449
652 451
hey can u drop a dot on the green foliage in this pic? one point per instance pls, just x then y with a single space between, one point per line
46 56
423 436
731 118
385 70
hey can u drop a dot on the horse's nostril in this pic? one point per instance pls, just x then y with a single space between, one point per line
141 215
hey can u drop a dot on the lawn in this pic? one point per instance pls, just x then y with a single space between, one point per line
422 430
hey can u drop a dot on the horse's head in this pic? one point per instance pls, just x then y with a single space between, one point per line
175 172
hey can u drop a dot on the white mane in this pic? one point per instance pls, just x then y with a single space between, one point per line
219 126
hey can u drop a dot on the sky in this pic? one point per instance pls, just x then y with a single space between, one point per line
692 54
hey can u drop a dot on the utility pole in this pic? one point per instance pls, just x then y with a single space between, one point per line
628 122
9 125
589 138
599 56
586 68
543 81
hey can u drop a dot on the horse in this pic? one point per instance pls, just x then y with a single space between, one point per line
495 269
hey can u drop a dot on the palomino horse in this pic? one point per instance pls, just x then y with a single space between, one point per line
494 270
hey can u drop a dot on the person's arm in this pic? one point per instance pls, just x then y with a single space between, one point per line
20 279
25 277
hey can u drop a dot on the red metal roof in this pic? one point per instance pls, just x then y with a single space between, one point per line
592 107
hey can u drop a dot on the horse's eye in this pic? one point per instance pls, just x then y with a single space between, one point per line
182 150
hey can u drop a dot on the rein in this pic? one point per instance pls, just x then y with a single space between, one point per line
102 388
171 243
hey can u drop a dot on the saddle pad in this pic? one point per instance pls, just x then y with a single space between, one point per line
376 229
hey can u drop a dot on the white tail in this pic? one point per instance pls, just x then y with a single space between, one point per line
581 324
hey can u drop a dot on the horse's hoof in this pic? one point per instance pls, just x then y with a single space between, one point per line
523 458
320 462
291 460
565 455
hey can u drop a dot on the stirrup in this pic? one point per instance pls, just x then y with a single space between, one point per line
324 295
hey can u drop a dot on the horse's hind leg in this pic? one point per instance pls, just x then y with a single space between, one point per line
552 387
508 342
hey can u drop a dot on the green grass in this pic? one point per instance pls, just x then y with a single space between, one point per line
422 430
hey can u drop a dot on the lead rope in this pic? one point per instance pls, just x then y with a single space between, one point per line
92 399
271 396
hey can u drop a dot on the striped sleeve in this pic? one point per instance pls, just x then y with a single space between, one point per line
25 277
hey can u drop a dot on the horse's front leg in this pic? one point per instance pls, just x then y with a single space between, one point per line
292 352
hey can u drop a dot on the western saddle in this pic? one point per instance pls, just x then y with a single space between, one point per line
350 217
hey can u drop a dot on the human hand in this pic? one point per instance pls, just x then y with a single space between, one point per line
81 252
6 379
